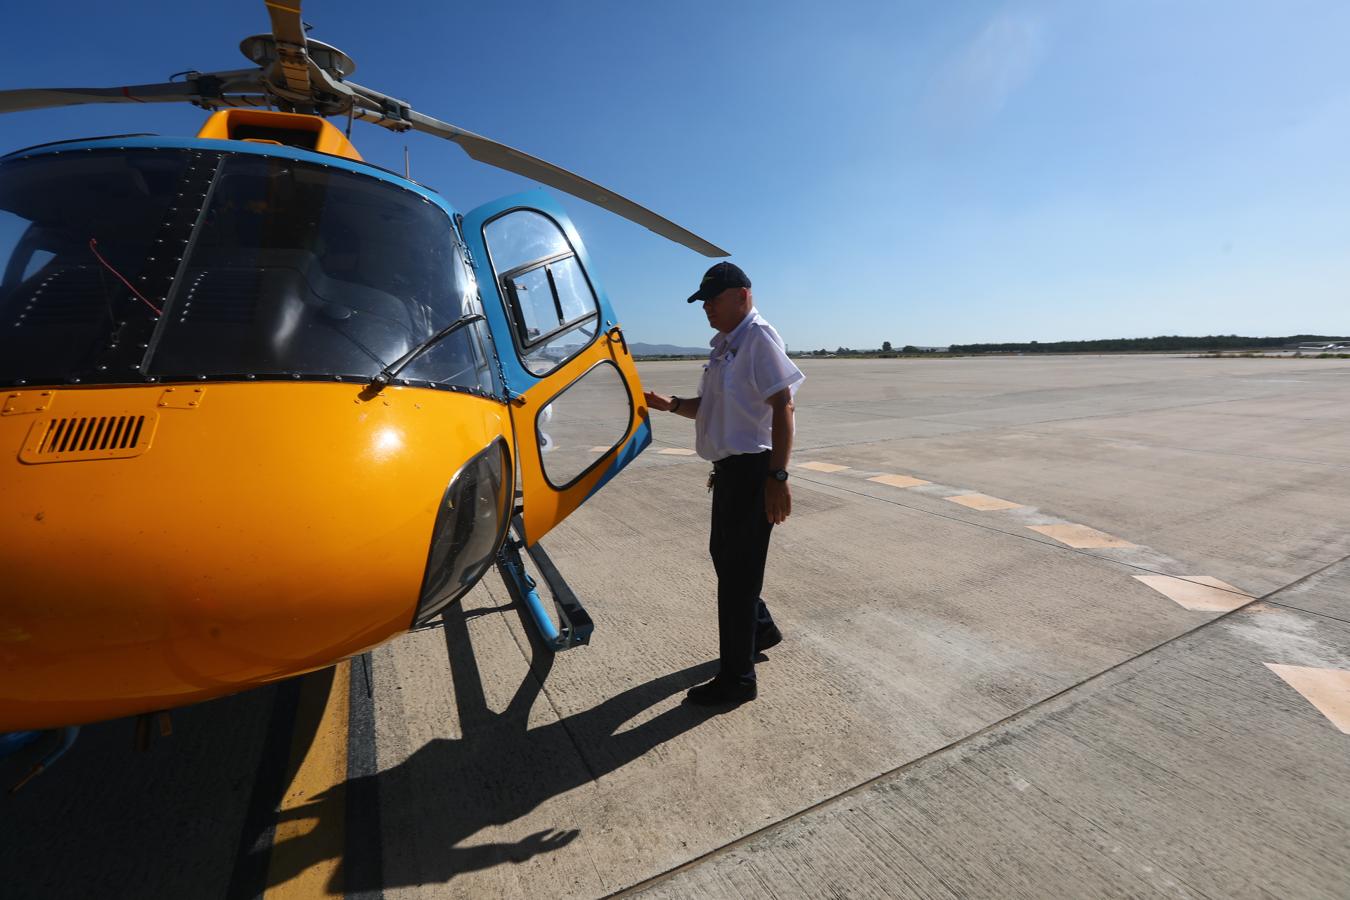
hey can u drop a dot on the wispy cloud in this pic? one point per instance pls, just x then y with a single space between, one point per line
976 81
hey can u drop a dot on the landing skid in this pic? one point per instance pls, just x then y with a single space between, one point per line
16 741
573 626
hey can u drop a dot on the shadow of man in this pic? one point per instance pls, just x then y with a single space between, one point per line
500 770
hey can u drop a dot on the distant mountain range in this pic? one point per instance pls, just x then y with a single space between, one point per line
640 349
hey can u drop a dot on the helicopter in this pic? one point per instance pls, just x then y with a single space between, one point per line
269 405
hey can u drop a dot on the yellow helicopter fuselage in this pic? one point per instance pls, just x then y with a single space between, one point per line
251 532
280 429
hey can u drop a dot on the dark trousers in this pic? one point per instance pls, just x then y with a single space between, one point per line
739 546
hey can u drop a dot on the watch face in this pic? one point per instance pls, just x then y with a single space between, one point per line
779 474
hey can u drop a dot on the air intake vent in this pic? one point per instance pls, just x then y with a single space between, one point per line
89 437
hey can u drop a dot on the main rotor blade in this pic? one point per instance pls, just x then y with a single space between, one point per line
496 154
288 33
192 90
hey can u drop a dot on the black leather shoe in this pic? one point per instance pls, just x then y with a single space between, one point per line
766 639
718 693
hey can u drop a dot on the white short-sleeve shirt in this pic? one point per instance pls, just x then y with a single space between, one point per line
746 367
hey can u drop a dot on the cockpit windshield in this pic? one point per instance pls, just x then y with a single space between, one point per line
127 265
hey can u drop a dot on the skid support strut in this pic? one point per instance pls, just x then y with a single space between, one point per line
573 626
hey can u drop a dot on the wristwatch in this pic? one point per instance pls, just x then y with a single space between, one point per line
778 474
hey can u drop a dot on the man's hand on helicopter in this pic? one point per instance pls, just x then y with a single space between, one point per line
682 406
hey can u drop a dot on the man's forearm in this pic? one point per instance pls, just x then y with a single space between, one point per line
782 435
688 407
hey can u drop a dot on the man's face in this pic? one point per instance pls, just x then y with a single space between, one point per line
727 309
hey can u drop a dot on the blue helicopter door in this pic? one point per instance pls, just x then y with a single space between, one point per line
576 401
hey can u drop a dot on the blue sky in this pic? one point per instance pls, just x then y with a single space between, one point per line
924 173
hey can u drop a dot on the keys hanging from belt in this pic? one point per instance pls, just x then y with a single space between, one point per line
712 476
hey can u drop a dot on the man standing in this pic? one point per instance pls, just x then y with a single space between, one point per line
743 424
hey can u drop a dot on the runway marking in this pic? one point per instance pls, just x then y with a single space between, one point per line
600 449
1326 689
900 481
1197 592
983 502
1080 537
821 467
311 829
674 451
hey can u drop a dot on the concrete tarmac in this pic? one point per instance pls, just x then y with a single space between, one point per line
1060 627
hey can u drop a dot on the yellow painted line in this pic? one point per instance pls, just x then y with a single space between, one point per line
900 481
1197 592
311 826
984 502
1080 536
600 449
1326 689
675 451
281 7
821 467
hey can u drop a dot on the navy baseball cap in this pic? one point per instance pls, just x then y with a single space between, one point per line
717 279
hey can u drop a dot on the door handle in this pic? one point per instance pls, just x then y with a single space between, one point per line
617 333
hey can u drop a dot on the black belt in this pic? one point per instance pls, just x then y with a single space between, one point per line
742 460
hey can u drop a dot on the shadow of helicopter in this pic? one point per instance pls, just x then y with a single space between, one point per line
409 824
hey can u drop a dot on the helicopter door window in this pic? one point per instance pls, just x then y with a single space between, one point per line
523 236
575 299
533 300
552 306
591 414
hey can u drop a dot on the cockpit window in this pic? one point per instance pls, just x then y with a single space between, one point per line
59 303
301 269
279 269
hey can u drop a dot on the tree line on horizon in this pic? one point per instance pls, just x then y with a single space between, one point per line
1161 343
1172 342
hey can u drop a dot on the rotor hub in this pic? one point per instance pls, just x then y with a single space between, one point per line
262 50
